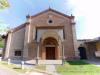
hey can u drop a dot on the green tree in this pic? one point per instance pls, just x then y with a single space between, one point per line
4 4
0 37
1 42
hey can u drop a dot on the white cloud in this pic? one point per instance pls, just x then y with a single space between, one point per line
90 11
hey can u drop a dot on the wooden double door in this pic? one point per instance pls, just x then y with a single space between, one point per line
50 53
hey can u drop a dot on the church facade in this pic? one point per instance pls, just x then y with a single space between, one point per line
48 35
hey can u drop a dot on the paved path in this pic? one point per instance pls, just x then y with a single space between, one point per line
94 61
35 73
51 69
6 71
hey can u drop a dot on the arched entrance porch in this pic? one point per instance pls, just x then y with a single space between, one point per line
50 50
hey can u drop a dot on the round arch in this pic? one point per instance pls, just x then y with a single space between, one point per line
50 49
50 41
50 34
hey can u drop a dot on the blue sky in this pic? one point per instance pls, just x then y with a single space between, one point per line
86 13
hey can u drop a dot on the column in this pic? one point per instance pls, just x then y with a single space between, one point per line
63 56
58 53
38 51
75 42
8 47
37 57
43 52
25 50
27 38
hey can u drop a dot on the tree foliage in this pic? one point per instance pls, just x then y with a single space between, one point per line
4 4
0 37
1 42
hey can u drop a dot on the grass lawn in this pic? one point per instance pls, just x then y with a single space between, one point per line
13 66
79 67
18 67
1 43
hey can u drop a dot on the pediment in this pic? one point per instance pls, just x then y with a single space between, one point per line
50 11
50 17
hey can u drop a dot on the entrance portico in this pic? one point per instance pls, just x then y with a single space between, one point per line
50 47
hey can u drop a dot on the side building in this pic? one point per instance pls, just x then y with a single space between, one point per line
89 48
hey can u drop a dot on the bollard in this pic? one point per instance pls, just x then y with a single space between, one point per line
22 64
37 60
9 61
0 58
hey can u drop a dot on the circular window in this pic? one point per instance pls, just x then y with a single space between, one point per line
50 21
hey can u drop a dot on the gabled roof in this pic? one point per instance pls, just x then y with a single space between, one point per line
23 25
50 9
94 40
18 27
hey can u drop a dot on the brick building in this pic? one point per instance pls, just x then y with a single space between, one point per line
48 35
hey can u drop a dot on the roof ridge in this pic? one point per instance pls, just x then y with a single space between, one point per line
19 27
49 9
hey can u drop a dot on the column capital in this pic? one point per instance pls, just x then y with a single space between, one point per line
62 42
38 43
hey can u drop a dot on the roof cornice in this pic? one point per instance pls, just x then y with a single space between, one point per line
50 9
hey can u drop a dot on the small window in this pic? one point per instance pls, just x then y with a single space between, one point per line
18 53
50 21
